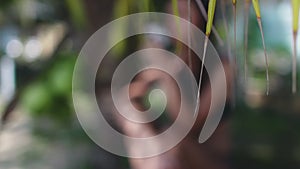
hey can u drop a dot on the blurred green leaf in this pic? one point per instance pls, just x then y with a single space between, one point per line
60 77
77 12
36 98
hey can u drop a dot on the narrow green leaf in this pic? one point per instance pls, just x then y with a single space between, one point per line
210 16
175 7
256 8
295 6
211 13
231 60
189 36
258 16
214 30
246 26
145 5
234 2
77 12
223 10
176 12
234 38
121 9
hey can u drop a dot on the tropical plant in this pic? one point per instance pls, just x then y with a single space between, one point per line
209 17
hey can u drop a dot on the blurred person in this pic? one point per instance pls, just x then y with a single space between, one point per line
189 153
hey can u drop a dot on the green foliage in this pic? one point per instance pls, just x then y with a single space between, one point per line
5 3
77 12
265 137
60 76
210 14
36 98
51 94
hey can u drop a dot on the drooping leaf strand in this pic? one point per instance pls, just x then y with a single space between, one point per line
189 36
223 6
258 16
246 26
210 16
214 30
266 56
256 8
295 8
211 13
234 38
176 12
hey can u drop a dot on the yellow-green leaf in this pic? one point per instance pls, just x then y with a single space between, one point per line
214 30
246 25
256 7
295 6
77 12
121 9
234 15
210 19
233 2
176 12
257 11
175 7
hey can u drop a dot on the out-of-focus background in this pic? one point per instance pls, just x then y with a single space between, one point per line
41 39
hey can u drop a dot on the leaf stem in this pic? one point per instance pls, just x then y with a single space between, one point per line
214 30
234 40
265 52
246 26
189 36
294 73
